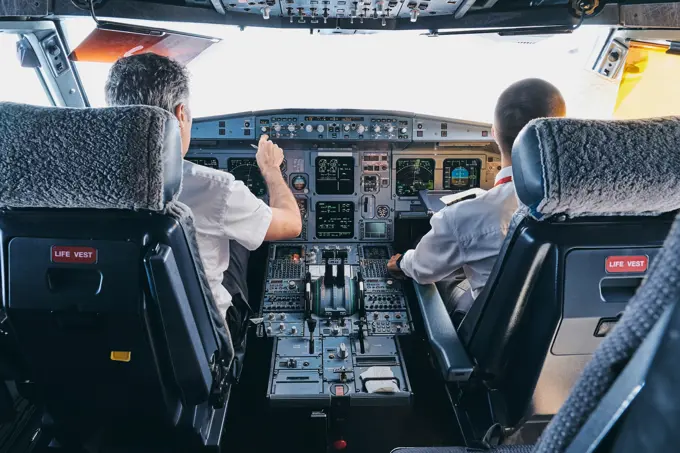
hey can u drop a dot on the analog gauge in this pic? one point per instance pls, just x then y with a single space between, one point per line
382 211
246 170
414 175
299 183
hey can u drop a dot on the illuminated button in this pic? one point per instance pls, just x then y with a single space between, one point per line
121 356
340 444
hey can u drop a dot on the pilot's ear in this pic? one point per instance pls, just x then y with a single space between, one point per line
181 113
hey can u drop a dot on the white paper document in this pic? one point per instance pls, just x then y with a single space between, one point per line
386 385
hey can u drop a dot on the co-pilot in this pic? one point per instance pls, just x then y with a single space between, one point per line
466 237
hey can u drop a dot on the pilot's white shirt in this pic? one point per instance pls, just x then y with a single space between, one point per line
223 208
466 235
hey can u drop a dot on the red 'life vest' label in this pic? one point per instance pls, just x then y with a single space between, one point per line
626 263
74 255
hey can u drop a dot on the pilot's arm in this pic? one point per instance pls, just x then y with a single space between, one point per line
286 222
438 254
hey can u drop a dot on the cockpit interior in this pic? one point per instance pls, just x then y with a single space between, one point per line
110 335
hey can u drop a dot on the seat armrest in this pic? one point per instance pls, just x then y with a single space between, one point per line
452 359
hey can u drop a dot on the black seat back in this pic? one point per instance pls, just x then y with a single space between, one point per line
588 227
103 289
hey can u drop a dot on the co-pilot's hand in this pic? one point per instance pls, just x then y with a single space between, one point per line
269 156
392 267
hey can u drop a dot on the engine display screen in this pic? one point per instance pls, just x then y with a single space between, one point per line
334 219
210 162
334 175
461 174
373 252
245 169
414 175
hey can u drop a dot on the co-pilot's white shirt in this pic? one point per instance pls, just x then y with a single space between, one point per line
465 235
223 209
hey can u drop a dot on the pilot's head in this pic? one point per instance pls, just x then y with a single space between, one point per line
149 79
520 103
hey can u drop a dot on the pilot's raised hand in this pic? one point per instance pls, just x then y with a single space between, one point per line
393 267
269 156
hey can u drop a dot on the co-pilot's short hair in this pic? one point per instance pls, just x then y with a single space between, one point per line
522 102
147 79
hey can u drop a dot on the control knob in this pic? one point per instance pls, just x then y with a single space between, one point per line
403 130
270 316
282 327
346 128
320 128
293 330
292 285
342 351
361 129
335 330
376 129
309 128
291 128
263 128
277 127
390 129
282 316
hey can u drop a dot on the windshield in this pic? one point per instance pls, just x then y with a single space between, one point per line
452 76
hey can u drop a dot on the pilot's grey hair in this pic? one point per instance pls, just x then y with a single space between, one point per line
147 79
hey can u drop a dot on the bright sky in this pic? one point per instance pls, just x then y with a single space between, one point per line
453 76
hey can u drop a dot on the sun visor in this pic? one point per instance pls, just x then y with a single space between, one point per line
110 41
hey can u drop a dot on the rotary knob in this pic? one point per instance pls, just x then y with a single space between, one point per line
342 351
403 130
309 128
390 129
282 327
346 128
376 129
270 316
335 330
291 128
277 127
263 128
293 330
292 285
361 129
282 316
320 128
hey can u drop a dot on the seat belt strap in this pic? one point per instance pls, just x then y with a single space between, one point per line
622 392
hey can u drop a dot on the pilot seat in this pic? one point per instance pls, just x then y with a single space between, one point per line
111 319
597 199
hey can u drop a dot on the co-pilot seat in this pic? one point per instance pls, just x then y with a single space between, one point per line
593 197
105 296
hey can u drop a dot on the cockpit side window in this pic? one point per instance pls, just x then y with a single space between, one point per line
18 84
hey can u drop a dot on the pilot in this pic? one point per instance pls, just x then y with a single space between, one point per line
229 220
465 238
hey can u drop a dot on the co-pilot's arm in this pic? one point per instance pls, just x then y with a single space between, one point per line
437 255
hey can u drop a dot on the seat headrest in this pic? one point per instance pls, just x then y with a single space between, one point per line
108 158
598 168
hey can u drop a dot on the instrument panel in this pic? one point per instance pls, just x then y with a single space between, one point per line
352 173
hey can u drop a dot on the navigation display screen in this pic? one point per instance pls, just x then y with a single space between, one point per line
461 174
245 169
210 162
414 175
334 175
334 219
